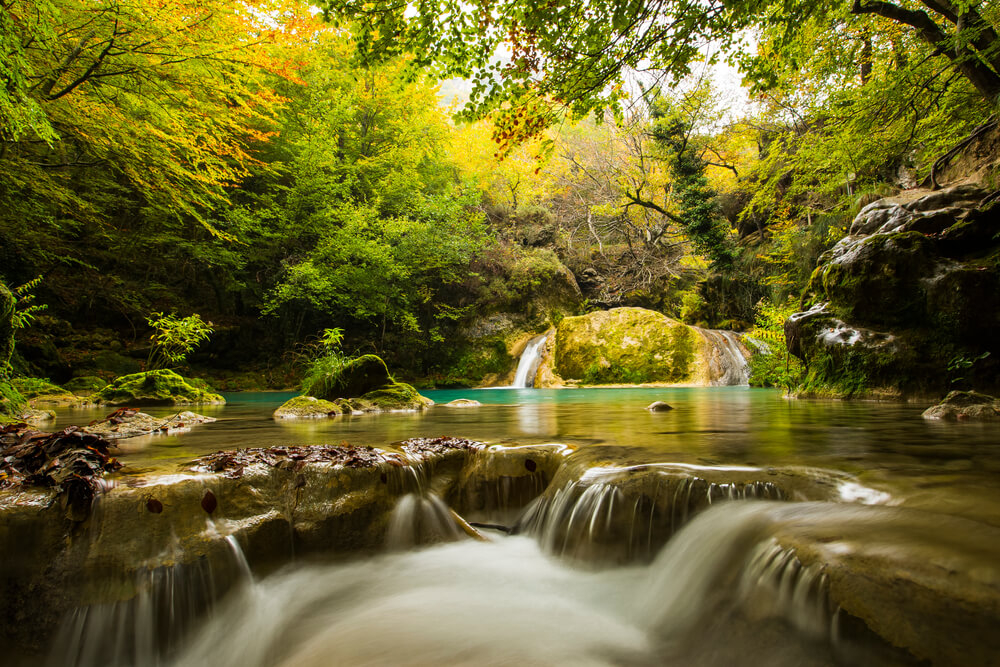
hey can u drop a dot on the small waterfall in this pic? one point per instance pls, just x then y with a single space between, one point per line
610 515
531 359
169 602
728 364
420 519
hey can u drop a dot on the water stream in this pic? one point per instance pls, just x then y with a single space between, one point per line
586 578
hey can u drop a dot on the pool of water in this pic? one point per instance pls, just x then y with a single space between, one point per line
948 467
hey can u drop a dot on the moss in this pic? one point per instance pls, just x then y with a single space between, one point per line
624 345
479 359
11 402
350 379
85 385
35 387
160 387
395 396
305 407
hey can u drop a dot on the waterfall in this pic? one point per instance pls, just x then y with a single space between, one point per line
531 358
168 604
728 364
717 594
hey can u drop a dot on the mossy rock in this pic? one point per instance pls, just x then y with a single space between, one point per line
37 387
160 387
356 378
85 385
961 405
625 345
877 279
394 396
11 402
307 407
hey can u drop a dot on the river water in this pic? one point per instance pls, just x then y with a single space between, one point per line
510 601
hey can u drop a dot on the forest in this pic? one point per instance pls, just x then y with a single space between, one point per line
243 177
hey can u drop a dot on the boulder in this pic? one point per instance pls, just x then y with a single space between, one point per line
85 385
960 405
395 396
159 387
659 406
907 303
307 407
625 345
355 378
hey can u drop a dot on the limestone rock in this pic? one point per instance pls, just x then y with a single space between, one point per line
624 345
128 423
160 387
909 296
961 405
659 406
307 407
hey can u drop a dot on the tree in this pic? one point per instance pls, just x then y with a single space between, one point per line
576 55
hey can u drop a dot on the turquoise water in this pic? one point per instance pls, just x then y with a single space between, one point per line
886 446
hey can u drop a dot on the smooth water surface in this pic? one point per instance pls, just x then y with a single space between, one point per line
948 466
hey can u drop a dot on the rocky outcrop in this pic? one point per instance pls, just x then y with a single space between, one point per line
908 302
962 405
160 387
355 378
360 385
637 346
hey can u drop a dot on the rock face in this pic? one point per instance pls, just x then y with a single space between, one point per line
908 302
160 387
624 345
959 405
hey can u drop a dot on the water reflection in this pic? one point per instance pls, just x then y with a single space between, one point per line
887 446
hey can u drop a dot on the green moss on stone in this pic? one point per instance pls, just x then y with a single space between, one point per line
160 387
306 407
354 378
396 396
624 345
35 387
85 385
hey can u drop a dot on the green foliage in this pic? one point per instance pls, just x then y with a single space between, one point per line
24 310
325 364
174 338
771 364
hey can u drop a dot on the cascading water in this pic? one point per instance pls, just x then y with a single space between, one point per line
728 365
531 358
147 628
719 592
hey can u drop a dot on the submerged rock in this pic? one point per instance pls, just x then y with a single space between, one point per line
961 405
159 387
463 403
307 407
659 406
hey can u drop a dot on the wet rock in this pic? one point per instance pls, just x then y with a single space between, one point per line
159 387
927 583
659 406
424 446
129 423
463 403
307 407
962 405
71 461
395 396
